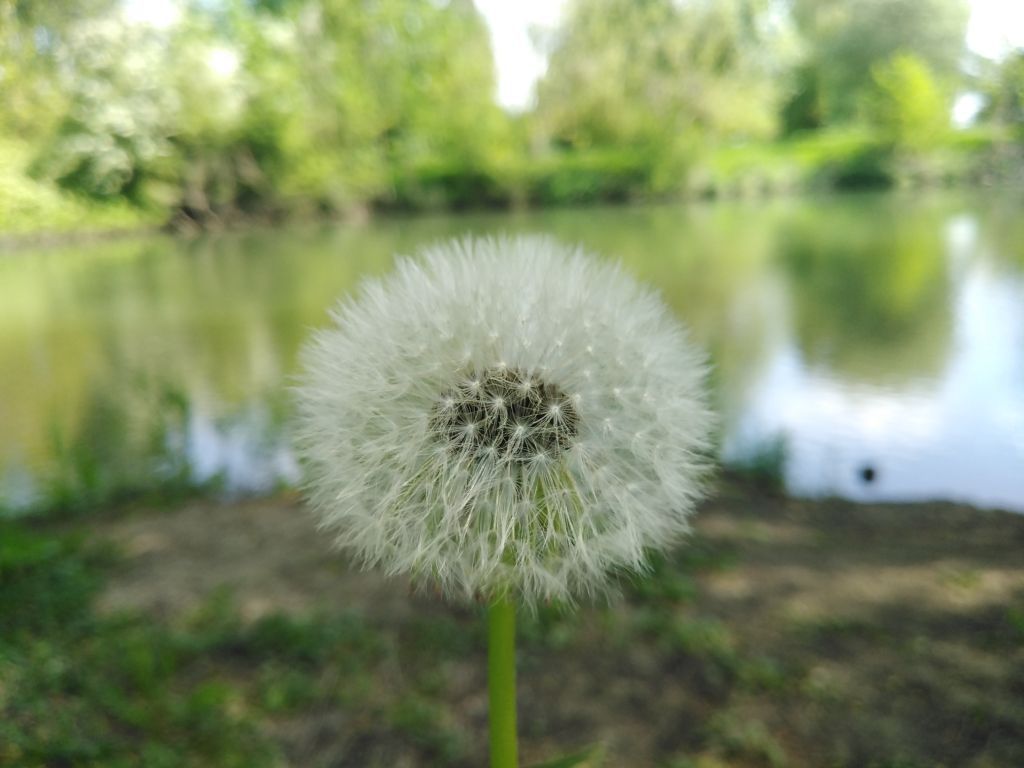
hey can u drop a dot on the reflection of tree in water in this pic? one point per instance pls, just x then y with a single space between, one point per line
125 441
135 435
1001 229
871 295
713 266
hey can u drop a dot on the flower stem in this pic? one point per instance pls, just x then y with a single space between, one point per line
501 682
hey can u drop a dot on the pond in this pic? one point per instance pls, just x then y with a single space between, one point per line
867 346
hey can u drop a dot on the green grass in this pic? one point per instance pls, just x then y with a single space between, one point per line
840 159
128 448
849 158
83 688
735 737
216 687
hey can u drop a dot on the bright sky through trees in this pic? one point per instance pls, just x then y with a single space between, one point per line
996 26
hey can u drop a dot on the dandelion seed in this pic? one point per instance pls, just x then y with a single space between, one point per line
504 418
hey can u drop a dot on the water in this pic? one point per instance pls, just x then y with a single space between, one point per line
852 336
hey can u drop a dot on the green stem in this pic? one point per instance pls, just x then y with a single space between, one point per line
501 683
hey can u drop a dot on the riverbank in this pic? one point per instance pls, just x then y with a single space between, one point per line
36 212
785 633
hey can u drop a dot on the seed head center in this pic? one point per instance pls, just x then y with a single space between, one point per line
502 411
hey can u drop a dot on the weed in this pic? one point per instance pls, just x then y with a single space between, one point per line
1015 618
764 464
747 739
422 722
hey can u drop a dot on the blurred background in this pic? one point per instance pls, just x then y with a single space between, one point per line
828 192
855 333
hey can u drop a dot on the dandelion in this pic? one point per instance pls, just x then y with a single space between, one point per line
511 420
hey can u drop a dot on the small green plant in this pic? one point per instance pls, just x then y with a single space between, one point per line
750 739
87 690
421 721
764 463
1015 618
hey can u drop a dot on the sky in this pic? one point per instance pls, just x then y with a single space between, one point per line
995 27
518 62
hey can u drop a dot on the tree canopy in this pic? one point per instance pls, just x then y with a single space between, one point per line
843 40
277 105
627 72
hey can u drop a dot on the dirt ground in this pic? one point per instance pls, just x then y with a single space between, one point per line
785 633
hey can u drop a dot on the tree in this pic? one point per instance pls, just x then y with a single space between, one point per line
1004 92
343 93
905 103
658 72
271 105
32 33
844 39
119 115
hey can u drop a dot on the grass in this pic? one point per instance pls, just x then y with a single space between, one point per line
836 159
86 688
80 689
700 664
850 158
129 447
842 159
83 688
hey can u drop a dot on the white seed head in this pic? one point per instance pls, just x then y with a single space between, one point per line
504 417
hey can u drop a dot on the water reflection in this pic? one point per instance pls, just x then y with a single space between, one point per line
870 292
880 332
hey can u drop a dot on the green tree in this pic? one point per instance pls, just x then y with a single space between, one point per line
274 105
32 33
345 93
119 113
1004 92
905 102
658 73
843 40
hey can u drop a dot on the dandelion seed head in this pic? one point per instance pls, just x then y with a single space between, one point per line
504 416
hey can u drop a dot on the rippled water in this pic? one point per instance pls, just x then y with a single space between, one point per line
868 346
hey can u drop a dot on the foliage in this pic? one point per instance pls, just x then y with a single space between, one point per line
844 39
110 457
117 126
90 691
239 108
29 205
657 74
32 36
1005 92
764 464
85 688
273 108
906 104
370 79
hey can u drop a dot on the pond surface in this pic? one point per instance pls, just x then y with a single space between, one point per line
866 346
